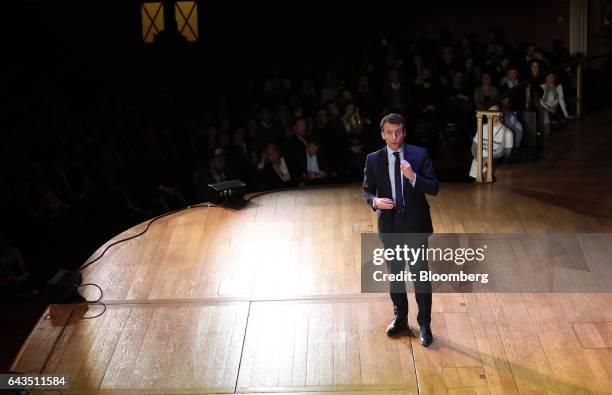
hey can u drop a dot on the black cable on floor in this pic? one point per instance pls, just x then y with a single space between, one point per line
87 264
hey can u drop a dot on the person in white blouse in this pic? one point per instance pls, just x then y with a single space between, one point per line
503 141
552 99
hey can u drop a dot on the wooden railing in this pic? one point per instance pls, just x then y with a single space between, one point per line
486 112
490 115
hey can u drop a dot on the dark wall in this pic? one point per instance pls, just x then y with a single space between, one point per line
97 41
540 22
114 25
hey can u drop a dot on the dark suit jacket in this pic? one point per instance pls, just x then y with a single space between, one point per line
376 183
269 179
295 156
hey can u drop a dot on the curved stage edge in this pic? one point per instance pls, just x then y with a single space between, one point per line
266 298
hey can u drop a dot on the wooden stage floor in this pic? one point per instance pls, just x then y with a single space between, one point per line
266 298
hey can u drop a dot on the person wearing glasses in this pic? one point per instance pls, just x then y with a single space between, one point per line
396 179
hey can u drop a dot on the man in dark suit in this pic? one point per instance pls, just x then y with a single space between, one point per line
396 179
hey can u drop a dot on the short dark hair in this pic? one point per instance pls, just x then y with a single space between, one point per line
393 119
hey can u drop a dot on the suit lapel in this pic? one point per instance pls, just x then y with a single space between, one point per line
384 168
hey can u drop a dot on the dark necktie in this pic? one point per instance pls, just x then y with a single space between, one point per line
399 194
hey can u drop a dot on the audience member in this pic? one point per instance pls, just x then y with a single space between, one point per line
484 92
296 147
395 94
552 99
316 170
511 81
512 122
503 140
273 172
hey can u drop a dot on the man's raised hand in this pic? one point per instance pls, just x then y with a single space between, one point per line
407 170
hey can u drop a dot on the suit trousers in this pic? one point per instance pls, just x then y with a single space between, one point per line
402 235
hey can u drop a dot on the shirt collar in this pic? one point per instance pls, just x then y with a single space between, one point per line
390 153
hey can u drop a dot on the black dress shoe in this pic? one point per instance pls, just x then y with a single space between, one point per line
425 336
398 327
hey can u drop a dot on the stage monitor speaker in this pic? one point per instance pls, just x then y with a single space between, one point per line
226 191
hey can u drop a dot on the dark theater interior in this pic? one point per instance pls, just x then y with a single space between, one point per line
188 189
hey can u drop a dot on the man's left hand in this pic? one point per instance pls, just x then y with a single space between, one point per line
407 170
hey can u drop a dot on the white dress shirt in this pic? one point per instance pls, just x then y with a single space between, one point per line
312 163
503 140
391 161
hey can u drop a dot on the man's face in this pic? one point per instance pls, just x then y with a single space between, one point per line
531 50
271 154
535 68
333 109
393 134
322 116
448 57
347 95
300 127
457 78
512 74
252 126
219 163
426 75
